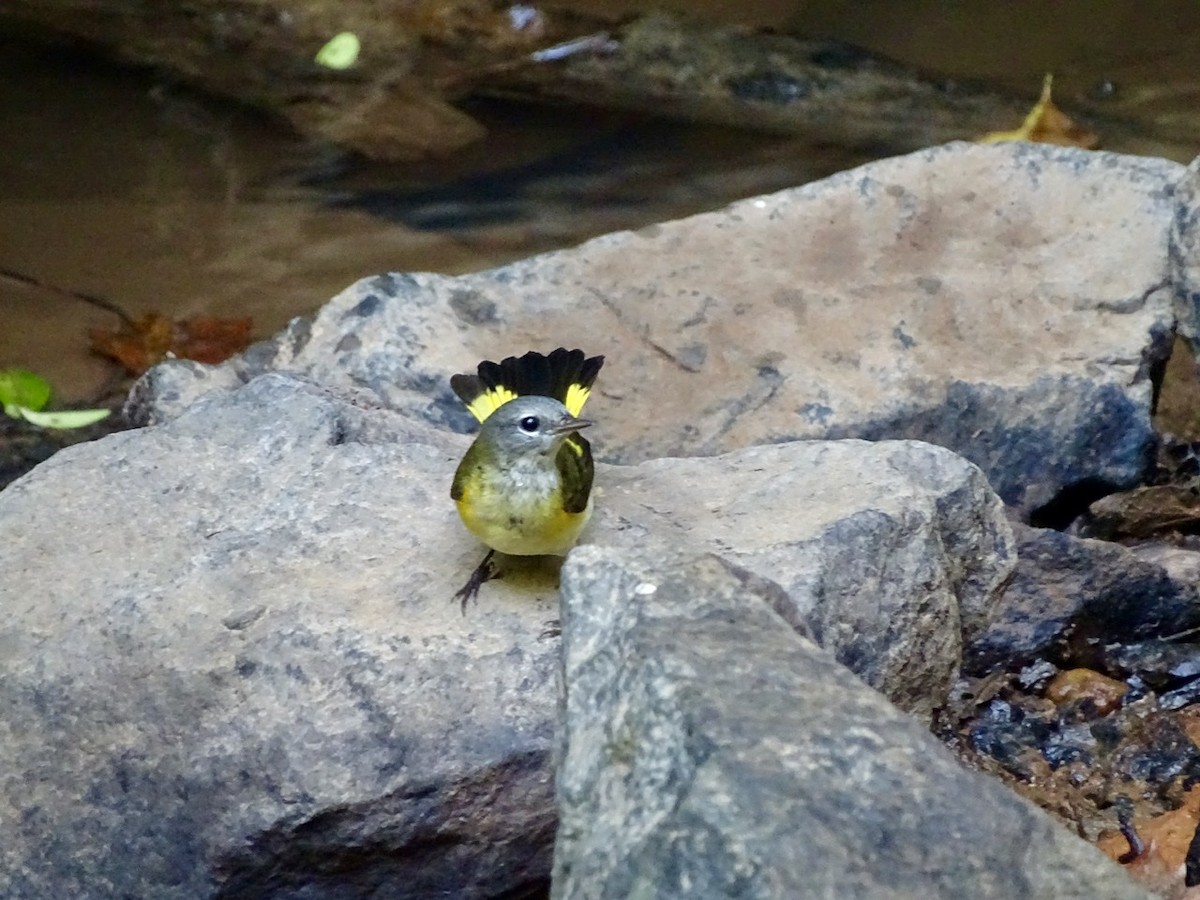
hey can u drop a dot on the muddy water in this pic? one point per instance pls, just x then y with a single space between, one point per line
118 184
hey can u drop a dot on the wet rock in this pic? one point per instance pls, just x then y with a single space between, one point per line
1161 664
1147 744
230 651
1077 760
1009 302
1007 733
1069 743
1036 675
1184 695
1095 591
693 768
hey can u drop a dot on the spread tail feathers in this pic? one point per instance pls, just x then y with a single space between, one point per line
565 375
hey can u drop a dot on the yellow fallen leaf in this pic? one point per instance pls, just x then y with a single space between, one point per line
65 419
1047 124
341 52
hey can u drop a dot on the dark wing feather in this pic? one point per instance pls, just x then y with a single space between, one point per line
576 469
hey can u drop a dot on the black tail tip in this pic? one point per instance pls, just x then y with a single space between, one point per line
548 375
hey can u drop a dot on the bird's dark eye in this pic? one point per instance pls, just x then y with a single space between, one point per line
529 424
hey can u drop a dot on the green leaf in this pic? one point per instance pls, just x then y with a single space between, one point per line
68 418
21 388
341 52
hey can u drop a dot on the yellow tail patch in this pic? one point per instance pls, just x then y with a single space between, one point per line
490 401
577 395
565 375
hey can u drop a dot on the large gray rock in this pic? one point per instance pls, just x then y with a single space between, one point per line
1009 302
710 751
231 666
893 553
1100 591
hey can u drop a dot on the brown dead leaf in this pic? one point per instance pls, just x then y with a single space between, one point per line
1160 866
1047 124
151 338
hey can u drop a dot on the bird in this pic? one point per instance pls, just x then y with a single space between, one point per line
524 487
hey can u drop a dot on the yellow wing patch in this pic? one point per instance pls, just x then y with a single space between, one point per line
577 395
490 401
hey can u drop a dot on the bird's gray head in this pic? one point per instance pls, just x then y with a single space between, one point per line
530 425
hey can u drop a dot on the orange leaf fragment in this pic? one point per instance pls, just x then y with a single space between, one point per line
1047 124
139 344
209 339
1167 837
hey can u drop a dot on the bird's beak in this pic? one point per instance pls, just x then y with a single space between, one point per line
570 424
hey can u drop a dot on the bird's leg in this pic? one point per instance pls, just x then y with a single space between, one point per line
485 571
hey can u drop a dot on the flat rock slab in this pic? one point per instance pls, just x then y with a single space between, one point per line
229 661
710 751
1009 302
230 650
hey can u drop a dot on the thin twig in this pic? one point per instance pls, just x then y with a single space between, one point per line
101 302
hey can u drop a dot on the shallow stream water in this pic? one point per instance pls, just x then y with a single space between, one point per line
118 183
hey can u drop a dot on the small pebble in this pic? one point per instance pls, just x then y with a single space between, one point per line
1076 685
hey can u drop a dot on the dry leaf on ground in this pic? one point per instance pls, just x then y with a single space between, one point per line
152 338
1047 124
1161 865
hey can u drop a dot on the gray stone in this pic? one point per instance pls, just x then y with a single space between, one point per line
230 653
1094 589
1181 564
1185 254
710 751
230 665
1008 302
893 553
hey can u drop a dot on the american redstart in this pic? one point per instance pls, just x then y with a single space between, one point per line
524 487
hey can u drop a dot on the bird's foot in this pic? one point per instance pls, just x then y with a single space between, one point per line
485 571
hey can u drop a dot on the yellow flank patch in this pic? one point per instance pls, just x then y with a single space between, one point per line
577 395
490 401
